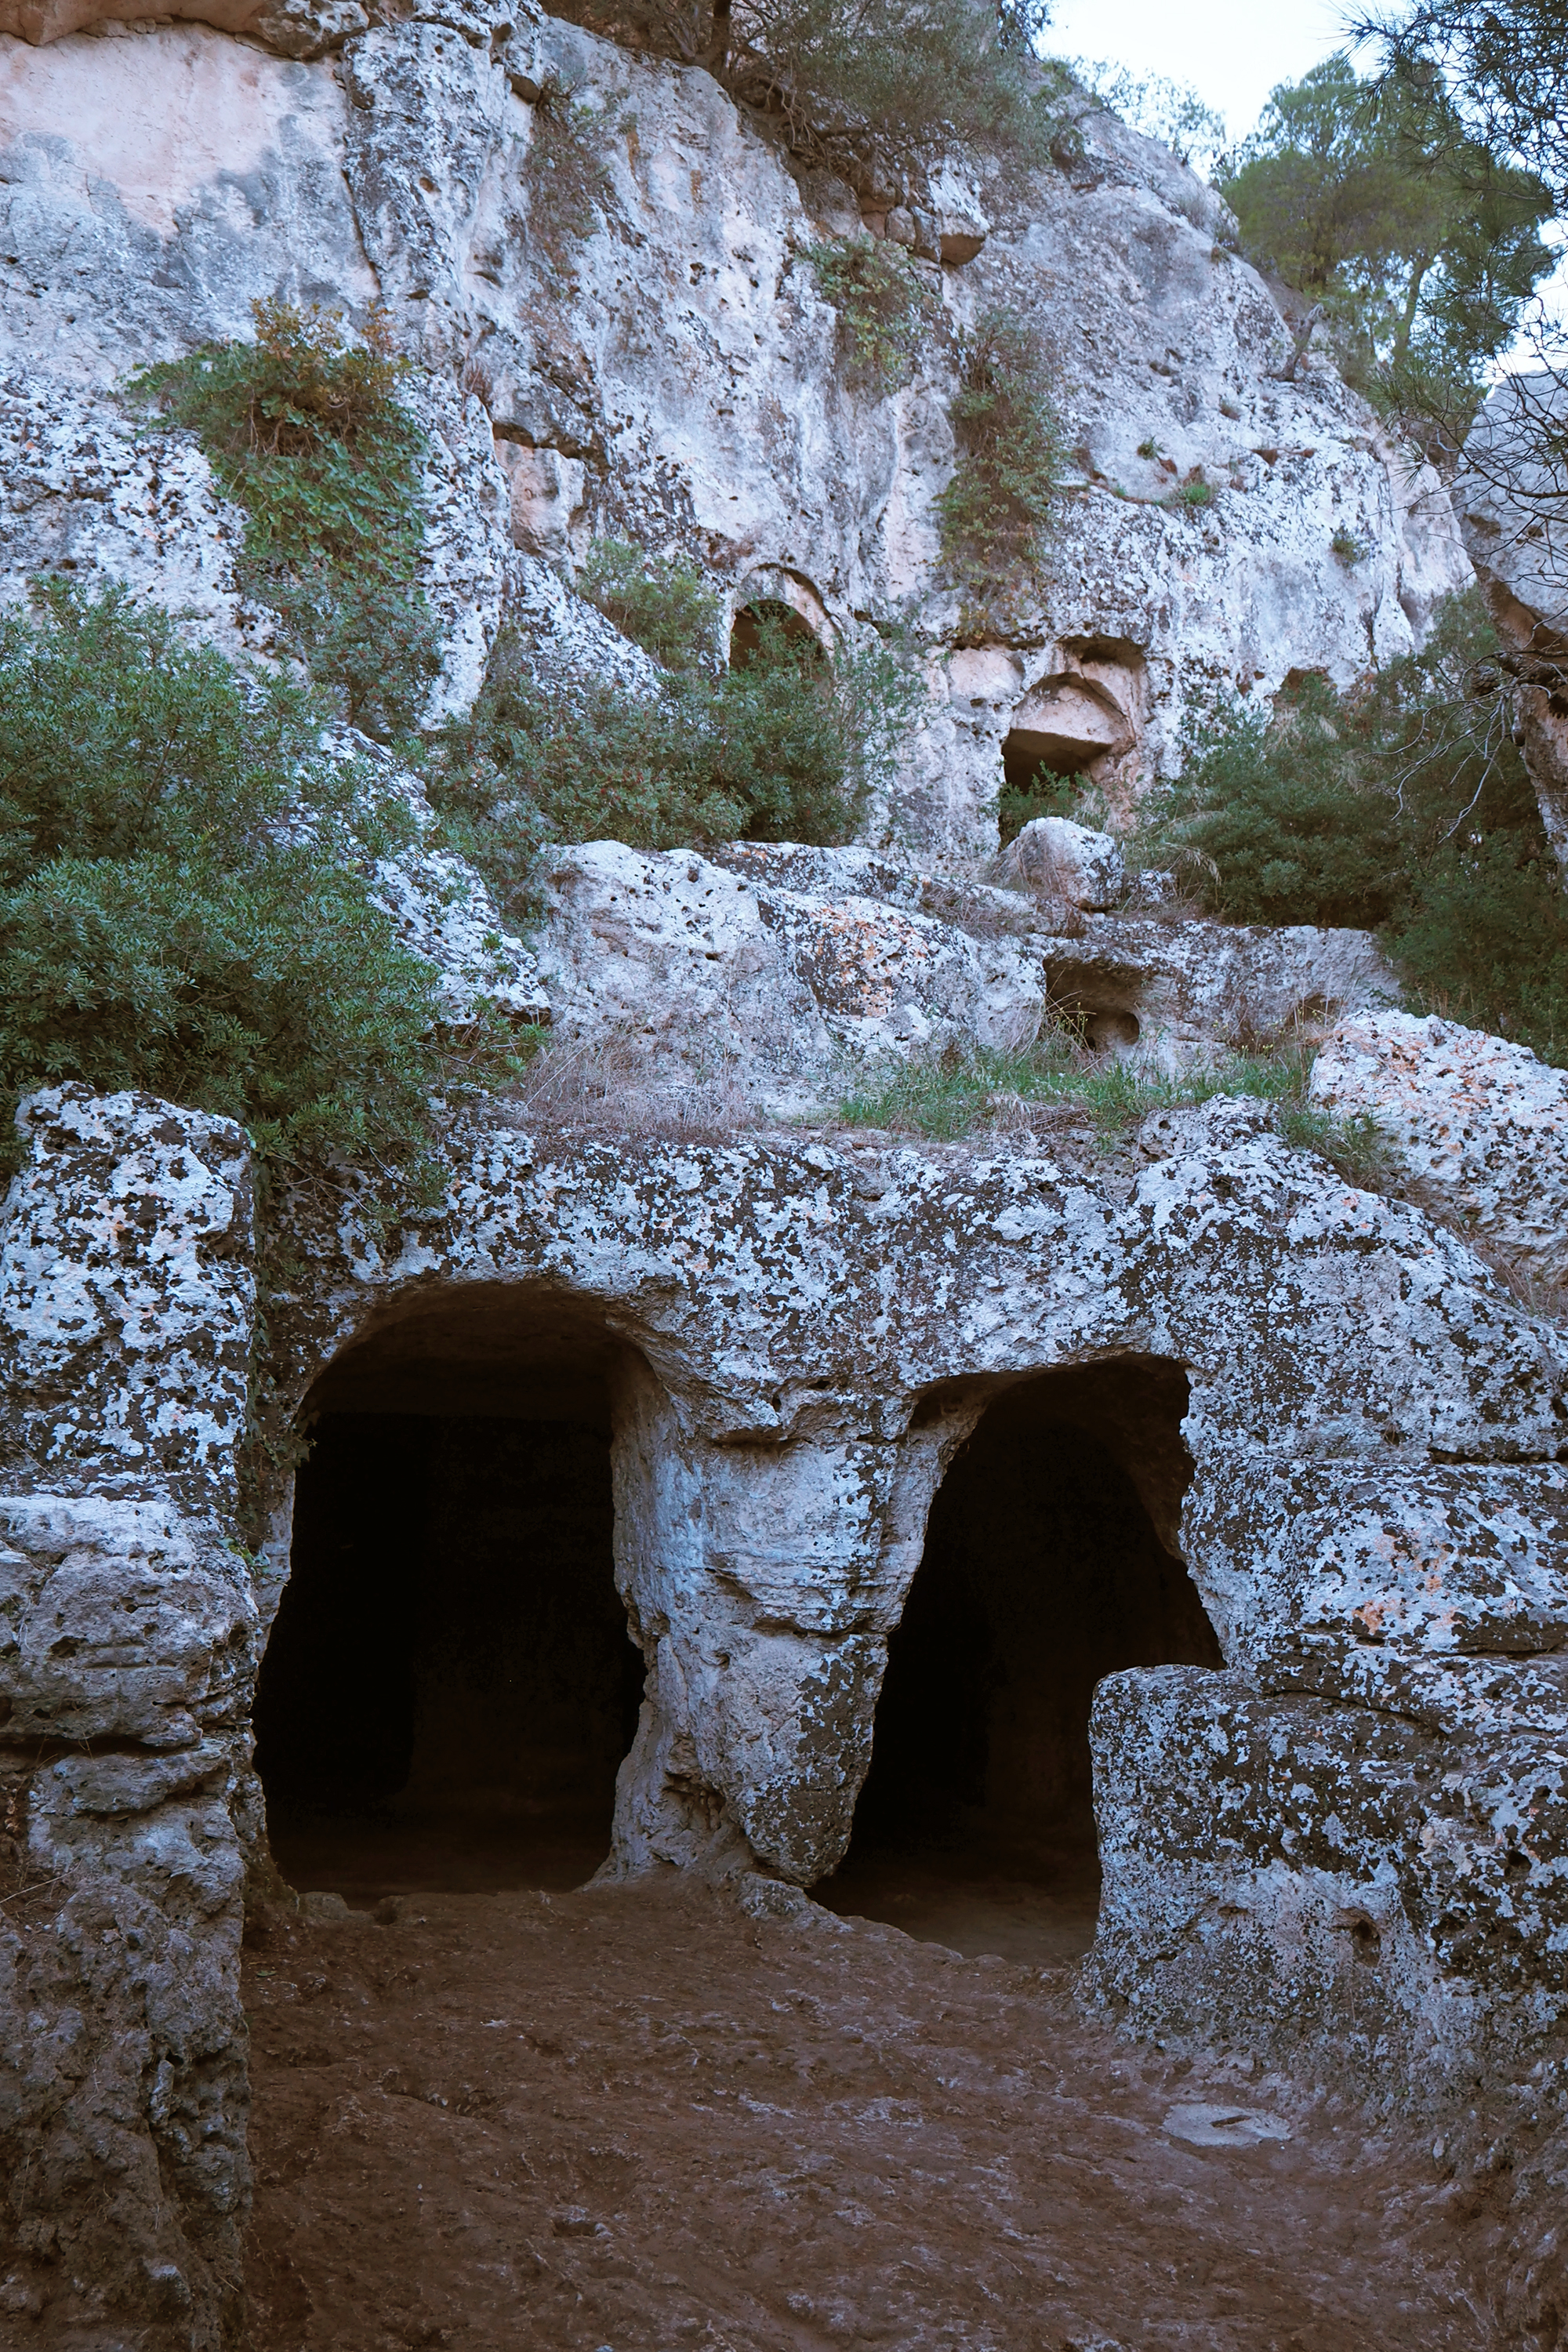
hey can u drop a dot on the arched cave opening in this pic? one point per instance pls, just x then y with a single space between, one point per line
1026 752
449 1686
769 618
1049 1562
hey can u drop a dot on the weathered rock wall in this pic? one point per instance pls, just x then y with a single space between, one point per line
129 1640
1508 497
797 1339
665 367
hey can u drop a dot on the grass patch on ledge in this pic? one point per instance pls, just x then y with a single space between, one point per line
960 1090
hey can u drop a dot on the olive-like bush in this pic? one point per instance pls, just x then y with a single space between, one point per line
661 603
1402 807
304 429
788 748
184 902
995 514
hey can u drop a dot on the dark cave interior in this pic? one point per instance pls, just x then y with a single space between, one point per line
1043 1572
449 1687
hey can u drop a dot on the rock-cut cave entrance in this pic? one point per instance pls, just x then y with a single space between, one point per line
1049 1562
449 1686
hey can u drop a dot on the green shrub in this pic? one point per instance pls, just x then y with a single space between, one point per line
1270 823
569 188
183 904
304 430
1045 795
885 311
788 748
843 76
1404 807
662 604
995 513
1484 939
579 763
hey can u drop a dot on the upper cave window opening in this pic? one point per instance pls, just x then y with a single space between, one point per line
1044 1570
766 617
449 1686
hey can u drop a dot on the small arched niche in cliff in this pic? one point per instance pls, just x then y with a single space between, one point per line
769 615
449 1686
1049 1562
1068 725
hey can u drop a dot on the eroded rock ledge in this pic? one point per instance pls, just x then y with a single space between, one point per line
1352 1430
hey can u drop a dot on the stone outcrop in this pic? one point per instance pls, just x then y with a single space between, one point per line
1479 1124
722 966
1066 865
131 1639
1508 495
801 1337
783 965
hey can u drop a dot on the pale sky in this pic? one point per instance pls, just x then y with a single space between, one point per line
1232 52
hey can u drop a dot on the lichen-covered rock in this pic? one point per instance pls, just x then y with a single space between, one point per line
125 159
128 1651
1057 860
772 960
675 952
1183 994
1295 1875
87 496
1480 1124
127 1290
125 1620
441 907
718 966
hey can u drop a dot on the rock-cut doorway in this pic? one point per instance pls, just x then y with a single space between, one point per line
1049 1562
450 1685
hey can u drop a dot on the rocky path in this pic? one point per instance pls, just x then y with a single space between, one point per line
640 2119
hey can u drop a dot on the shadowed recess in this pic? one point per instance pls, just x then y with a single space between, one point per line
449 1688
1044 1570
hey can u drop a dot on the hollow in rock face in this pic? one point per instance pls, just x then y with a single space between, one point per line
1042 1573
449 1687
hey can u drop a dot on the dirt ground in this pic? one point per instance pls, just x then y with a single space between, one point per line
639 2118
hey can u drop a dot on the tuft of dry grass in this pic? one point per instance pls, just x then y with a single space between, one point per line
621 1085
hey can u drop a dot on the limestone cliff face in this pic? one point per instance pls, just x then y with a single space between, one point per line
1350 1844
1508 495
628 335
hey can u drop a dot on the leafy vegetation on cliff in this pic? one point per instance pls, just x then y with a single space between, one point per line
185 903
305 431
914 78
787 747
661 603
1404 807
995 514
863 87
886 312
